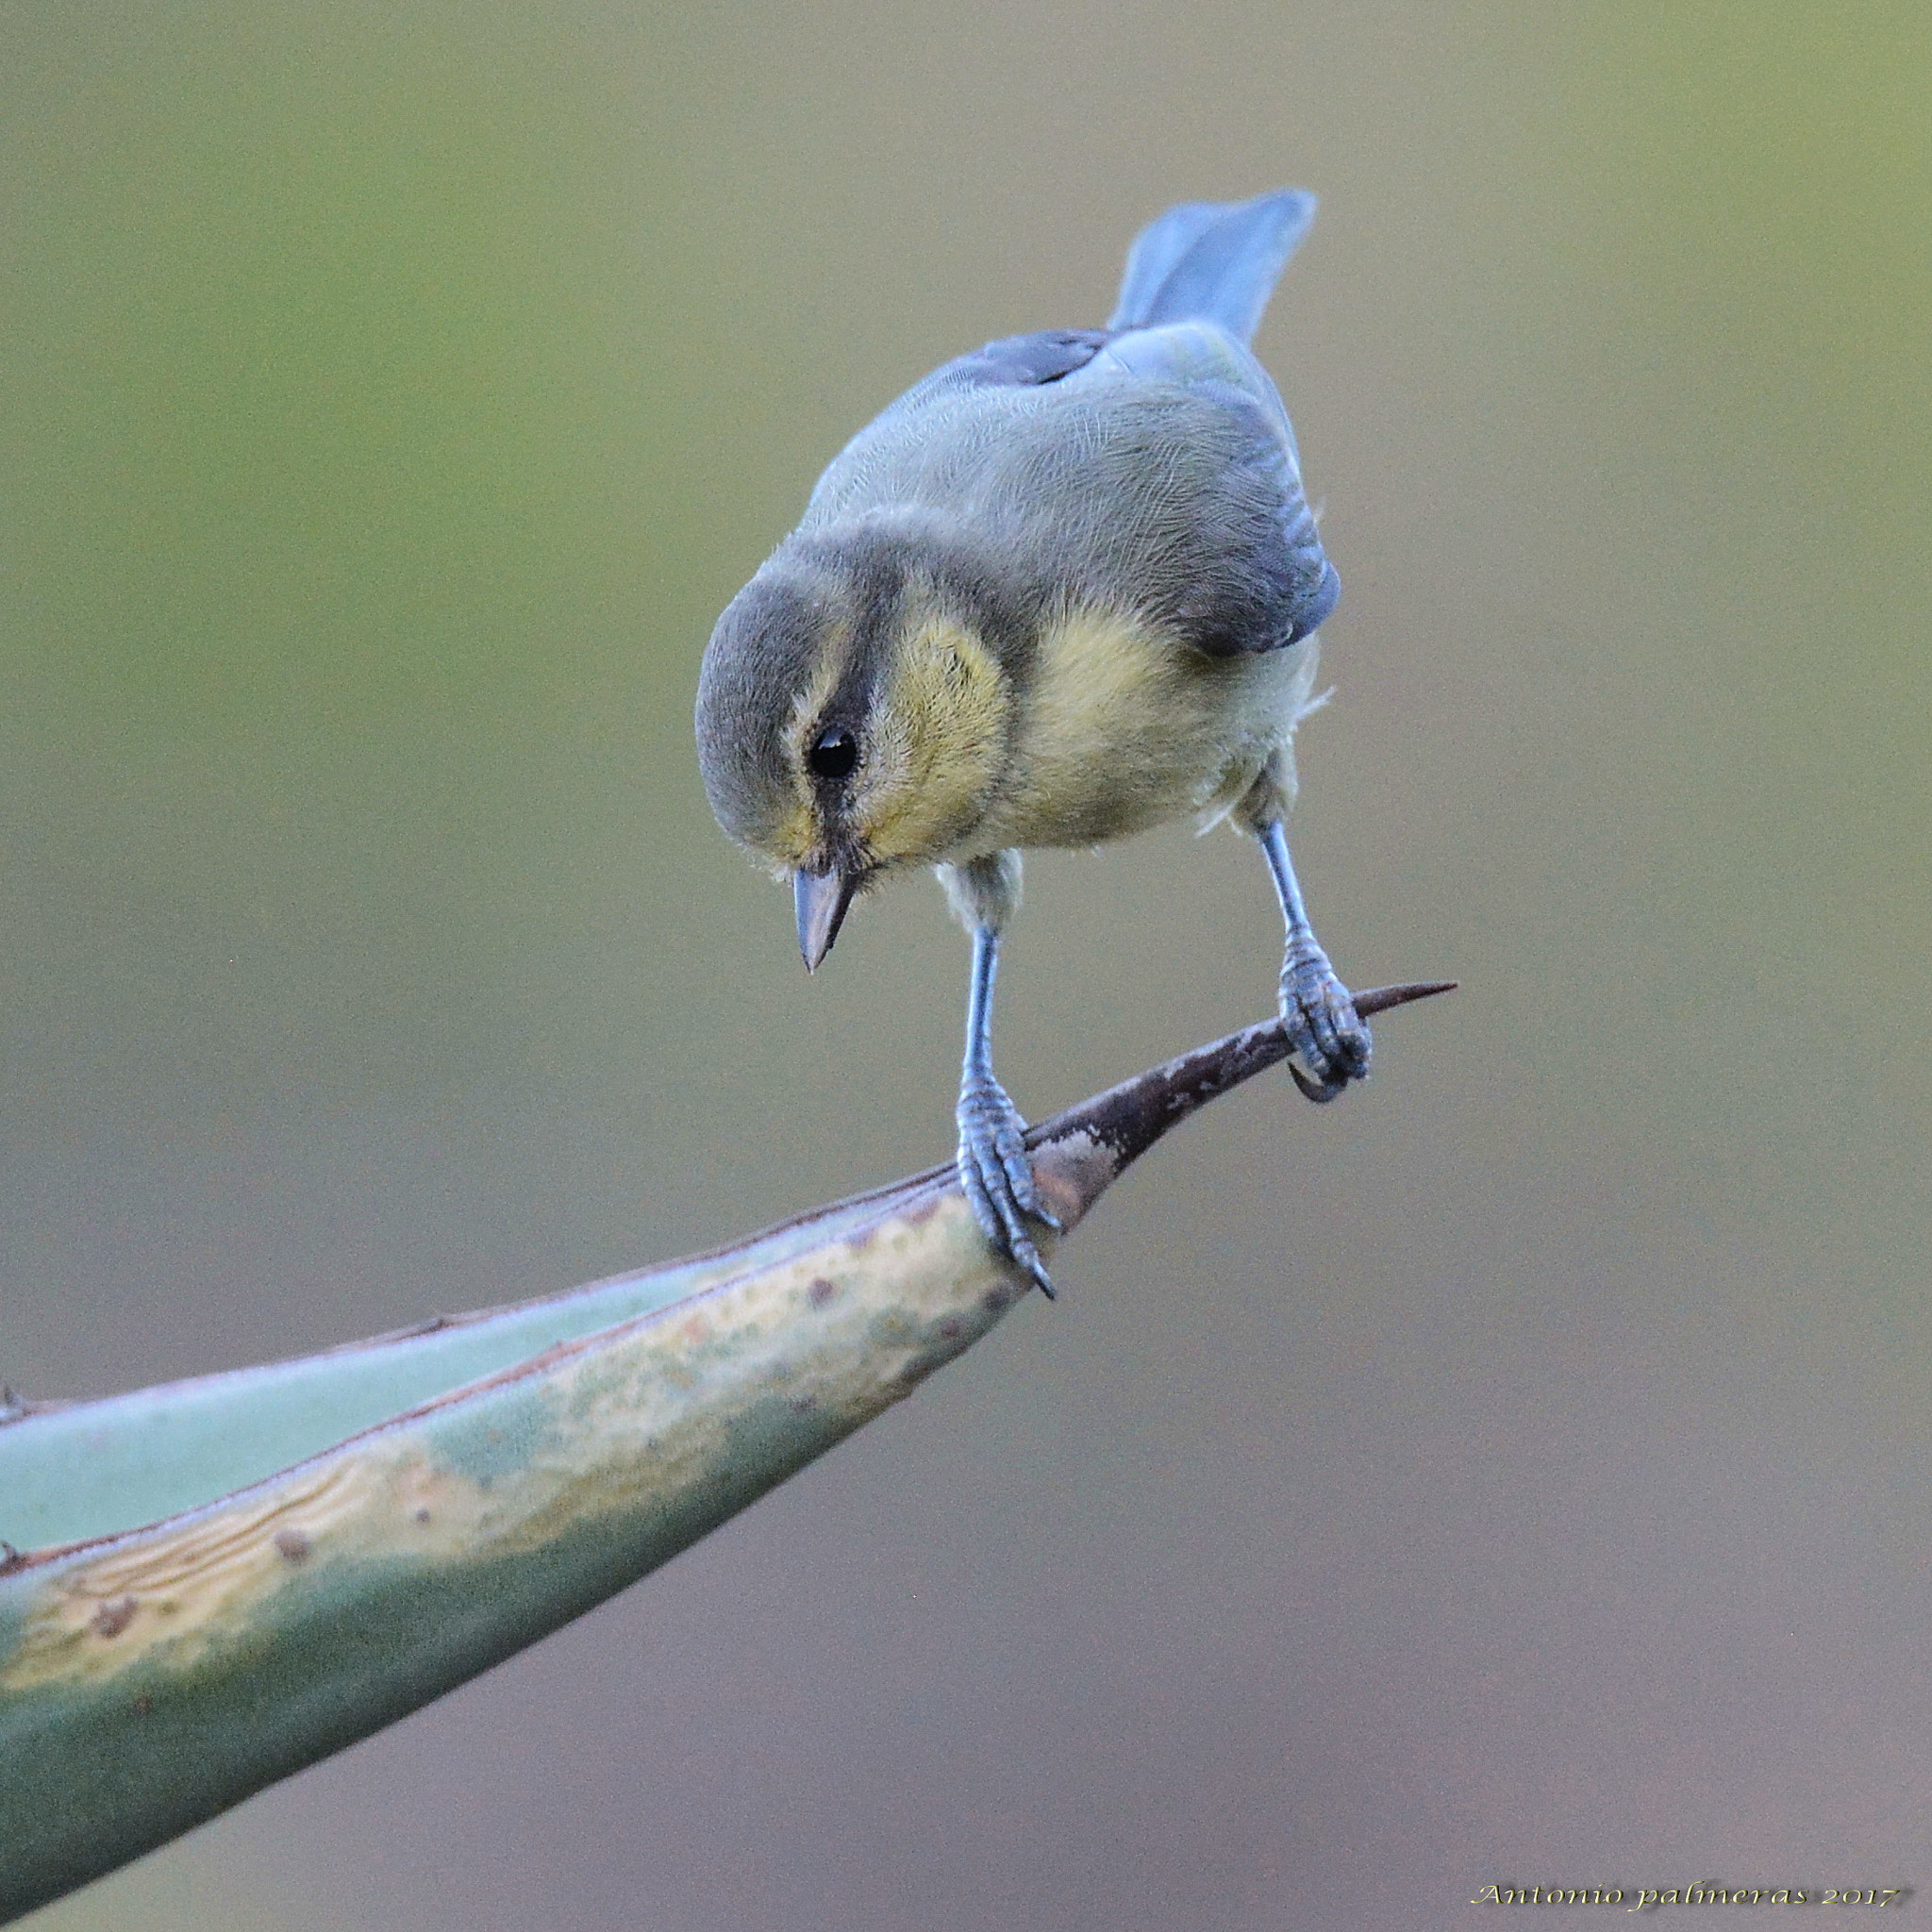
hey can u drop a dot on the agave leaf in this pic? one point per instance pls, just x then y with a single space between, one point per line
279 1561
74 1471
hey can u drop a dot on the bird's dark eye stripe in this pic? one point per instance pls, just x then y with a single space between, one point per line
833 755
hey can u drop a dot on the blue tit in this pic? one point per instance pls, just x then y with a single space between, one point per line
1065 589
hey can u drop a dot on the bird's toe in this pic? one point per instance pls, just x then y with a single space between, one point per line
1325 1033
996 1173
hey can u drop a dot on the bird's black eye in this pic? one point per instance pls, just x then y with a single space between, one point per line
833 755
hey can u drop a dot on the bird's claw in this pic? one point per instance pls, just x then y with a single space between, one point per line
996 1173
1324 1032
1317 1091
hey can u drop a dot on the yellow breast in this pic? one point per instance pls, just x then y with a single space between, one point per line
1126 727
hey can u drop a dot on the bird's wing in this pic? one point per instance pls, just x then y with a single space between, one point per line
1203 359
1197 356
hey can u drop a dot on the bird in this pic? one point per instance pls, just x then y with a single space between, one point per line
1065 589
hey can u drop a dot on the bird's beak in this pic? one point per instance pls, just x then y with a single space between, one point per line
822 898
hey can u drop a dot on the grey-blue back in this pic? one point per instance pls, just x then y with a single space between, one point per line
1149 466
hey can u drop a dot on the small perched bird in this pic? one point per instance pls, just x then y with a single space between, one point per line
1063 590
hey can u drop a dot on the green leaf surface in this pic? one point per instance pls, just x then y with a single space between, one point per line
76 1471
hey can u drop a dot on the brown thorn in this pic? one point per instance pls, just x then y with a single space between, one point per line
1126 1120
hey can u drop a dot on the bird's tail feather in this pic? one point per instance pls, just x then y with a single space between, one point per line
1212 261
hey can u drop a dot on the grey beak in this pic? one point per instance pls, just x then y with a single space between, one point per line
823 899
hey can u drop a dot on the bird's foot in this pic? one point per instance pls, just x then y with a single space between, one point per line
996 1172
1324 1032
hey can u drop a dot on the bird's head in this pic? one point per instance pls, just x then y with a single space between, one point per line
852 720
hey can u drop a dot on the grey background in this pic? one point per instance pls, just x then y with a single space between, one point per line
1514 1472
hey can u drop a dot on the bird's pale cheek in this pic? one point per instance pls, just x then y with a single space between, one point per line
940 734
798 839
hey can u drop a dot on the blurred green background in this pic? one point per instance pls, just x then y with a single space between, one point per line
1516 1472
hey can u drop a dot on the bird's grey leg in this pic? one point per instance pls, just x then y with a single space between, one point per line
995 1170
1327 1033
